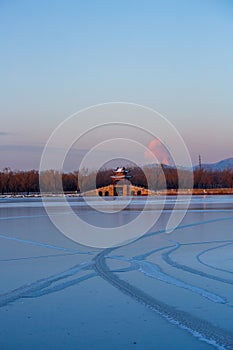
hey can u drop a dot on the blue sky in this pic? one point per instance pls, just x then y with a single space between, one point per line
60 56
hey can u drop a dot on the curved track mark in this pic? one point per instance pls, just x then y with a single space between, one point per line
201 329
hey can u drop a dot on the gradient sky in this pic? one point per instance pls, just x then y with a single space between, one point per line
60 56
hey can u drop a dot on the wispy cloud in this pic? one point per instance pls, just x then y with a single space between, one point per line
3 133
21 148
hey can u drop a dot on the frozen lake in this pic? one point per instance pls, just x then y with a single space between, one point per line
163 291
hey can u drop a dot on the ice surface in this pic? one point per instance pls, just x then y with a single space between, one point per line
163 291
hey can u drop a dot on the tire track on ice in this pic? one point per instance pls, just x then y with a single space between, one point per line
41 244
167 258
201 329
209 250
43 286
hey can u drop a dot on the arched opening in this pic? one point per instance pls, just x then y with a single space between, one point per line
106 193
100 193
139 193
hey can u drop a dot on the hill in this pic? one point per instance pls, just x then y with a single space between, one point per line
219 166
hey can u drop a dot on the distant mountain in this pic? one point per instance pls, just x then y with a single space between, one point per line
219 166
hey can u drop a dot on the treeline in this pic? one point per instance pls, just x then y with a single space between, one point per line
154 178
27 182
19 181
208 179
163 177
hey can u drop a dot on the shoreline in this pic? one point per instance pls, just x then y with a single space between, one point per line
170 192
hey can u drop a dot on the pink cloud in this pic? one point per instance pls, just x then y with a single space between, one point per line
157 149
